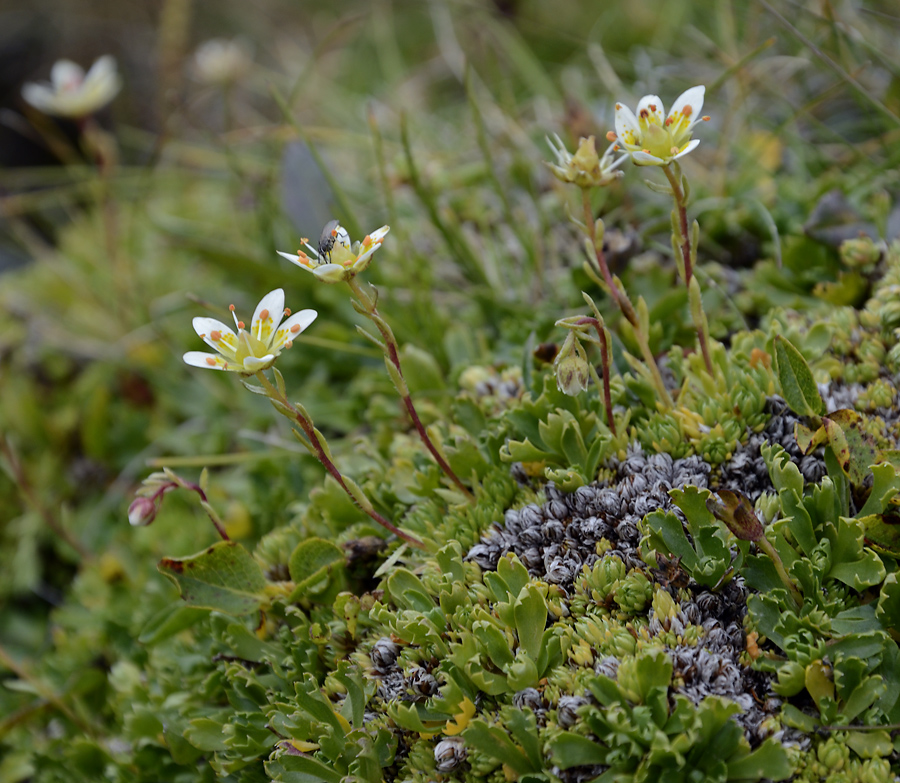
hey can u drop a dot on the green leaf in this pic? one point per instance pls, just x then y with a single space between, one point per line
224 578
530 611
572 750
769 760
206 734
317 569
853 448
301 769
797 383
496 744
168 621
407 591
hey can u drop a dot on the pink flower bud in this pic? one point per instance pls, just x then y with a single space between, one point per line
141 512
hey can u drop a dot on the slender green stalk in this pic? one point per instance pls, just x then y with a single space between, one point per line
317 446
604 368
367 304
687 257
763 543
623 303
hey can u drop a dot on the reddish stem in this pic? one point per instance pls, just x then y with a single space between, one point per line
604 369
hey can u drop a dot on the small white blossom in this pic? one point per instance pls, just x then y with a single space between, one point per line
72 93
249 351
221 61
336 259
653 139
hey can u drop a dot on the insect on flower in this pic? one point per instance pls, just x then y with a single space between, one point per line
249 351
337 259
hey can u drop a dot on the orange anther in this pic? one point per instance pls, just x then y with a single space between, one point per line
673 151
289 343
240 324
616 148
618 106
334 232
644 114
295 328
231 307
210 361
653 107
688 110
647 151
367 239
669 121
304 239
705 118
264 315
287 311
215 334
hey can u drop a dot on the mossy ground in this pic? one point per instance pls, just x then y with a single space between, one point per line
584 651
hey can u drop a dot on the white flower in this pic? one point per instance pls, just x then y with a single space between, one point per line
250 351
654 140
336 259
71 92
221 61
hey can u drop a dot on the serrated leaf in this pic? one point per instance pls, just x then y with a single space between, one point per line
223 578
797 383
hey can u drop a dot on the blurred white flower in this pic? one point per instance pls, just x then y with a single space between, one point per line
336 259
73 93
221 61
248 352
654 140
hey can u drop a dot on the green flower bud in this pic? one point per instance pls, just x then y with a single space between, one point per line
572 368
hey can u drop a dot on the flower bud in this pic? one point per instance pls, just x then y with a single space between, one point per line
572 368
141 512
736 511
861 252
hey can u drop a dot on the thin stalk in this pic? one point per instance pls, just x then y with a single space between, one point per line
316 446
623 303
686 255
604 368
391 352
763 543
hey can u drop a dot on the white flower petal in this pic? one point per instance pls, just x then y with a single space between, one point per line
205 327
254 364
263 327
642 158
295 259
379 233
40 96
653 106
103 68
66 75
627 129
690 146
330 273
292 327
208 361
693 98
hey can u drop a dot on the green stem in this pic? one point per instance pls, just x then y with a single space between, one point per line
391 353
763 543
315 444
623 303
687 256
604 368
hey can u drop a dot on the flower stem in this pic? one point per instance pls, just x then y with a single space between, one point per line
604 369
316 445
624 304
687 257
763 543
392 355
